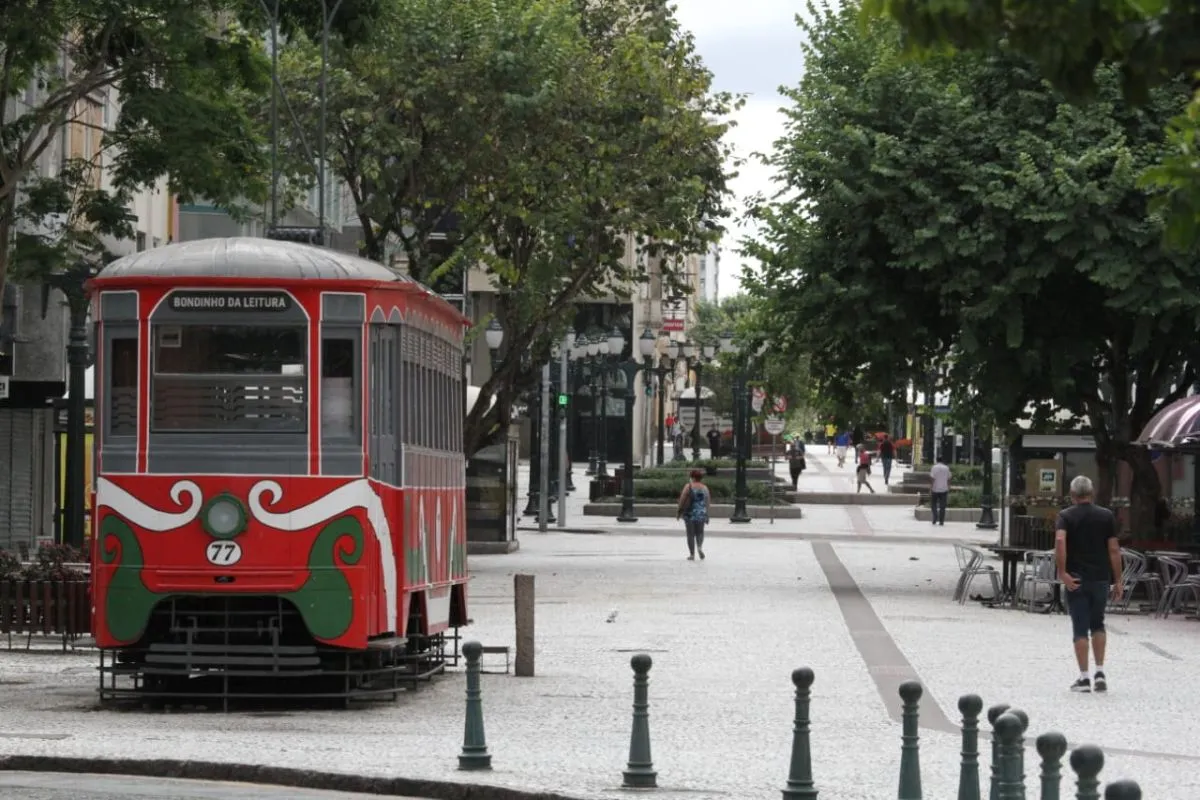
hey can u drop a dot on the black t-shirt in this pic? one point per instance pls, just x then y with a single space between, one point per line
1088 527
885 449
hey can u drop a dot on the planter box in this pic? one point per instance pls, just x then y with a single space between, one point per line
718 512
46 607
925 514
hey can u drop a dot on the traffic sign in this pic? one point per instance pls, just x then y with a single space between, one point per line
774 425
780 405
757 398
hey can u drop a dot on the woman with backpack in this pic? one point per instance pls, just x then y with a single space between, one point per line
693 510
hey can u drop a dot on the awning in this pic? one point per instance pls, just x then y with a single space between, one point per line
1175 427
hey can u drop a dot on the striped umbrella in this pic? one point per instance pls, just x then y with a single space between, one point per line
1176 427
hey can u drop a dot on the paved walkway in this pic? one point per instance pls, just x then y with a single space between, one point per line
820 521
59 786
725 634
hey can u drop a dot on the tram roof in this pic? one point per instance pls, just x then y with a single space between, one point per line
255 259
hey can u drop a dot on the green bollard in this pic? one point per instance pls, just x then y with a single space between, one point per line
800 781
969 705
1051 747
1087 761
474 753
910 749
639 772
1018 752
1008 729
994 714
1123 790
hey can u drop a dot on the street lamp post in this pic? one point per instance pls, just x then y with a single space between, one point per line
698 356
987 517
603 347
743 427
666 366
494 336
631 367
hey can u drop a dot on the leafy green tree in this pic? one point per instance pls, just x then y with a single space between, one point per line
1151 42
545 134
184 73
957 211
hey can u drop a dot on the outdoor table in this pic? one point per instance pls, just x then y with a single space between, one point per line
1010 560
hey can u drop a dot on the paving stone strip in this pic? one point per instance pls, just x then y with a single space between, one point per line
272 776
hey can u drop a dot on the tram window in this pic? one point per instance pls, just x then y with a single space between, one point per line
229 378
339 391
123 375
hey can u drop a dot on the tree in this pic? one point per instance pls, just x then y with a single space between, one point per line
184 73
542 134
957 211
1151 43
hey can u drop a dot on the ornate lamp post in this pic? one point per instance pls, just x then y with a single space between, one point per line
698 356
494 336
665 367
742 425
70 281
987 518
601 343
646 347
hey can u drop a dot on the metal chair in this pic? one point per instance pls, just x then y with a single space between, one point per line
971 566
1135 573
1039 569
1175 581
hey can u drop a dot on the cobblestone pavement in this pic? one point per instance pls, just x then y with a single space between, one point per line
725 634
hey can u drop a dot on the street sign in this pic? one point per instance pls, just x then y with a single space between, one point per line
780 405
562 399
674 314
774 425
757 398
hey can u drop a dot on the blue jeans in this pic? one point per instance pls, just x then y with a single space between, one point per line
887 468
937 504
1086 606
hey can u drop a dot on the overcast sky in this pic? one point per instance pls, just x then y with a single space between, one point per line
752 48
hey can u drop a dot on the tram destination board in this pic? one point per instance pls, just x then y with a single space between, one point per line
230 300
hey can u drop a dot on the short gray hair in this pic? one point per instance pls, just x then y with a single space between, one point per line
1081 486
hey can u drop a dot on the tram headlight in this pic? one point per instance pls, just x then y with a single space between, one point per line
223 517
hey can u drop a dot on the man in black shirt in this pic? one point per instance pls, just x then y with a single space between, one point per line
1089 561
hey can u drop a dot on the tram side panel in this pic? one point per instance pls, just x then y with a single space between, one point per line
312 541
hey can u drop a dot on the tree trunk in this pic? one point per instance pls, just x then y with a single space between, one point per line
1144 491
8 212
1106 471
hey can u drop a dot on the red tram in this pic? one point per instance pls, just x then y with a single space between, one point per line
279 472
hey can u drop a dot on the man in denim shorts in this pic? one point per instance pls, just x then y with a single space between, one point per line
1089 561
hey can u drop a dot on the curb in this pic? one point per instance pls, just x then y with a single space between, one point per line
556 529
273 776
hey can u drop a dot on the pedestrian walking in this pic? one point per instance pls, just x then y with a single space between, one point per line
693 510
887 452
863 470
939 491
830 434
842 443
797 462
714 442
1088 557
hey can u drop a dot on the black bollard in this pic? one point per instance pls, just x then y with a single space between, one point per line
1008 730
969 705
639 772
1087 761
1017 754
910 748
800 780
1123 790
1051 747
474 753
994 714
